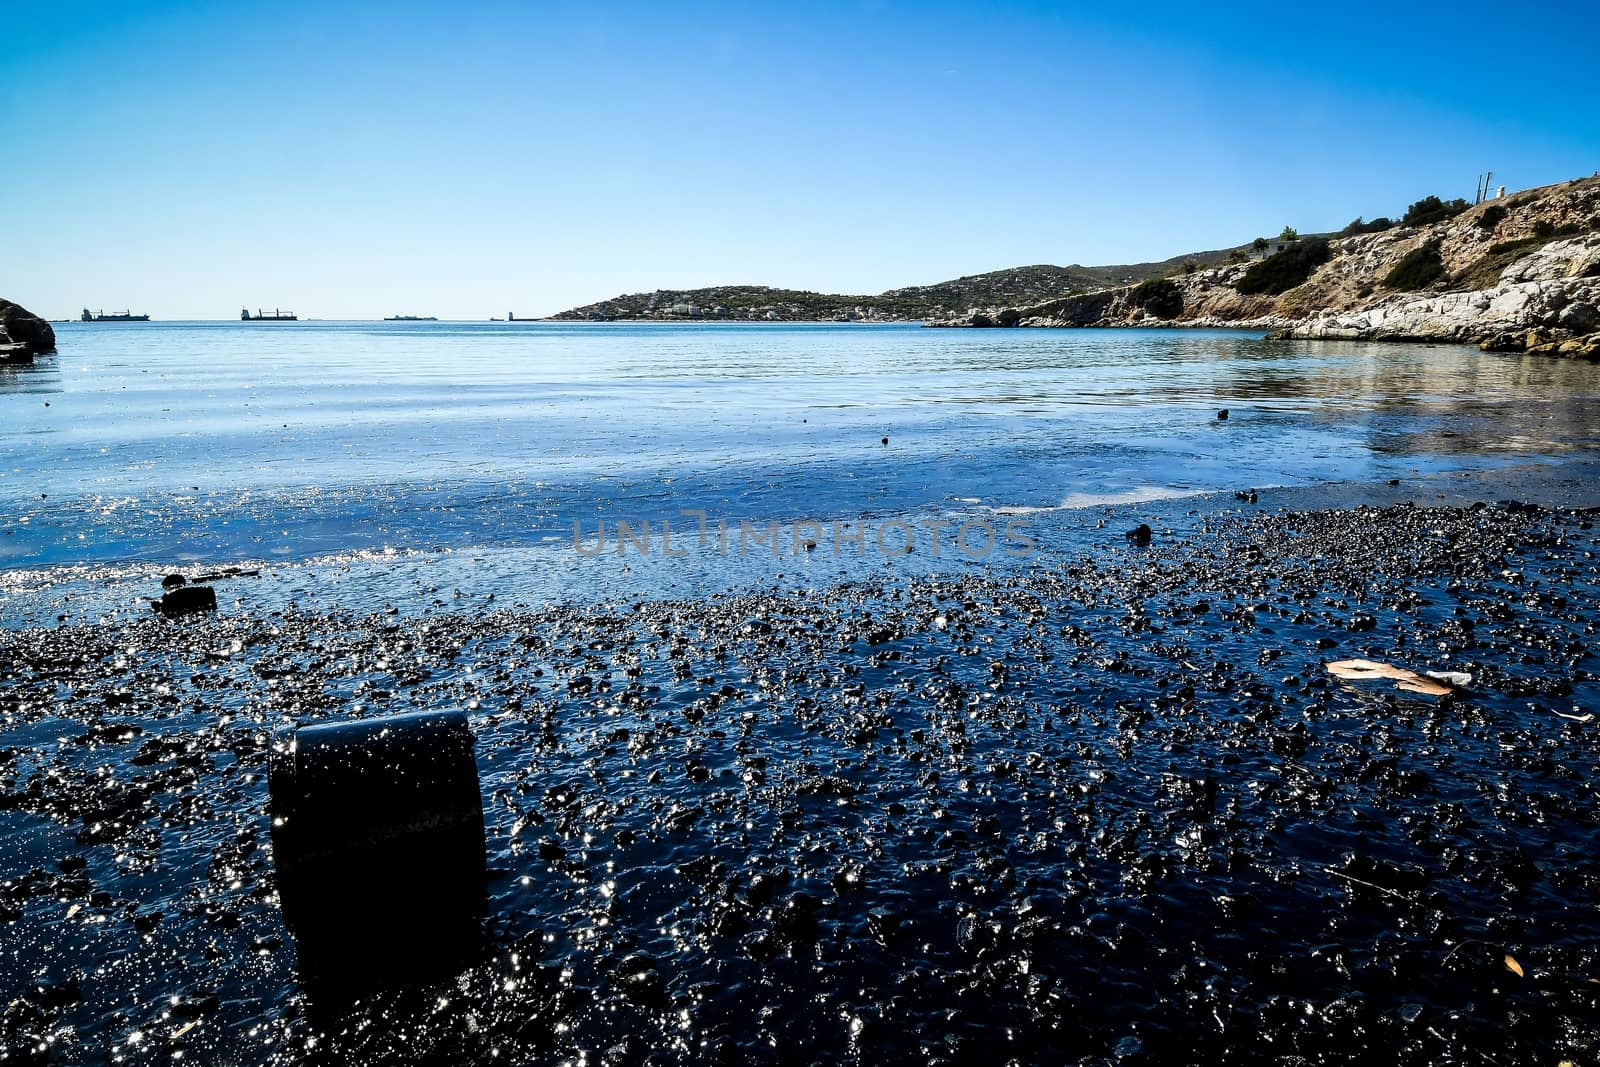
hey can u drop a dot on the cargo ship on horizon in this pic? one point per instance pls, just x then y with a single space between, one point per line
114 316
267 316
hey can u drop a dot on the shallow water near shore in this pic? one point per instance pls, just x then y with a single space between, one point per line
208 444
1097 803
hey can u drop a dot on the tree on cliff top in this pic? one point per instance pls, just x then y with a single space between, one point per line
1431 209
1377 225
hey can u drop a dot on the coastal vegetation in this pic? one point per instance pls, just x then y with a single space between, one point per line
1525 244
1430 209
1160 297
1358 227
1417 269
1281 272
1547 229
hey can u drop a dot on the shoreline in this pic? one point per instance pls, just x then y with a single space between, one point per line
408 580
1130 766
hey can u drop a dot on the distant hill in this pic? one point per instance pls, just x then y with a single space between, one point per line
758 303
749 303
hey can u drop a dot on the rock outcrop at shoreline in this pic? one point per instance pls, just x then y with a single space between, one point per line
1516 273
24 327
1547 302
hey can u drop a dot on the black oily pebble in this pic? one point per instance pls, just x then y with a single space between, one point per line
883 923
195 1005
641 982
58 994
186 600
795 921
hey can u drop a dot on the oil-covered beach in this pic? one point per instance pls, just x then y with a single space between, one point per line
1101 800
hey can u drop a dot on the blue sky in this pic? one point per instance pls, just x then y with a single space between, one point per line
353 160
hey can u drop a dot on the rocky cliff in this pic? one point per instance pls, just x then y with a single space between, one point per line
1518 272
24 327
1546 301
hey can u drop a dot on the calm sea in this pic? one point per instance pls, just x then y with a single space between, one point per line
185 445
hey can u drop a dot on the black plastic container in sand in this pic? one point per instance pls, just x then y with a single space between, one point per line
377 837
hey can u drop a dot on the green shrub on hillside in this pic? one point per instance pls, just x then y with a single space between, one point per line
1377 225
1289 268
1431 209
1161 297
1522 244
1548 230
1485 273
1418 269
1491 217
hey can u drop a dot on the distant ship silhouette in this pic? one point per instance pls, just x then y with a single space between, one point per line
115 316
